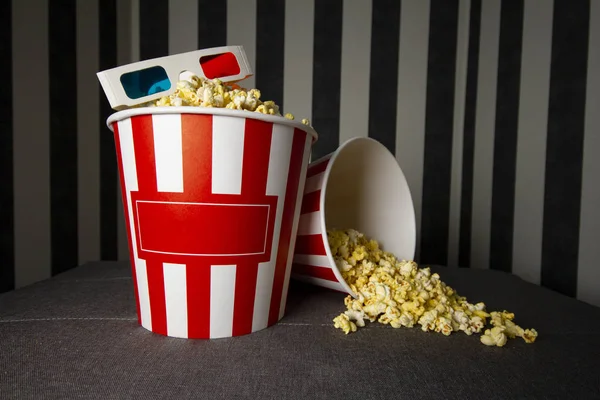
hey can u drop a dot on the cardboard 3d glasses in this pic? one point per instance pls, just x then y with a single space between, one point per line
147 80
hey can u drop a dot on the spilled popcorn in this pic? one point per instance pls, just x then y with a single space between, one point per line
398 293
197 91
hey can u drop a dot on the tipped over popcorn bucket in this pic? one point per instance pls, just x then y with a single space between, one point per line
359 186
212 203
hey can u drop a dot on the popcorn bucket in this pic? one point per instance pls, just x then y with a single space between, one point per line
359 186
212 205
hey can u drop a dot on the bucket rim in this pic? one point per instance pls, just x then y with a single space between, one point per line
277 119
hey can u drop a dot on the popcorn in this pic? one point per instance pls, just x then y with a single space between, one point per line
399 293
197 91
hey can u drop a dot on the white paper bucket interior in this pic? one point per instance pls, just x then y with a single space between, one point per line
365 189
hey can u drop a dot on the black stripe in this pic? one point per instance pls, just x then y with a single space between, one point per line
506 132
154 28
327 66
270 30
383 90
564 151
62 62
108 160
7 241
212 29
443 25
466 196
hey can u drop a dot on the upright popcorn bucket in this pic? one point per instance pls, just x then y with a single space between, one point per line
358 186
212 204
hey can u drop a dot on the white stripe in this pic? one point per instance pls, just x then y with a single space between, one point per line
241 31
31 142
355 71
131 184
588 273
135 30
88 131
308 259
141 275
460 86
222 293
531 140
290 255
168 152
310 224
183 26
412 93
298 58
176 299
484 133
279 161
227 155
314 183
319 282
124 56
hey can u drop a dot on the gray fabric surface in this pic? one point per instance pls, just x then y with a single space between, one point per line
76 336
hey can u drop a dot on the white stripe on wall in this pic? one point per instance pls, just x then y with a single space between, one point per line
531 140
183 26
135 30
279 160
356 68
310 224
588 273
290 255
124 17
88 131
176 299
222 291
484 133
227 154
412 97
298 58
168 153
241 31
460 92
31 137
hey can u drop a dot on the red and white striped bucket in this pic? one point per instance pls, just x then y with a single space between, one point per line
212 203
358 186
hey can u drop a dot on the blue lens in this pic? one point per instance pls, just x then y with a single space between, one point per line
145 82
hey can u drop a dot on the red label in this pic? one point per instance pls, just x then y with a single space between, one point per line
222 230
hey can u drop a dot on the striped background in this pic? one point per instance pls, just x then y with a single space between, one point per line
490 106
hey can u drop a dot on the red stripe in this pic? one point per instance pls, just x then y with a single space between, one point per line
317 169
255 171
143 144
310 244
311 202
196 139
245 291
198 299
156 289
196 143
287 220
315 272
127 219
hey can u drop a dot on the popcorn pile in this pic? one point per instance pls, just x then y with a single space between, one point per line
197 91
399 293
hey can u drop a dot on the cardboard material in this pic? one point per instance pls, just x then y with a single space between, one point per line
212 205
359 186
228 63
